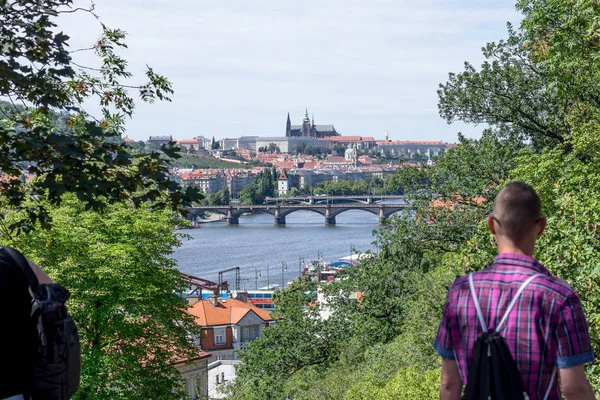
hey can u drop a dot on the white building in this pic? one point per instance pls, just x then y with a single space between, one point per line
283 184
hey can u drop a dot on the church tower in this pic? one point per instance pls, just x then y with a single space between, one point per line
306 127
288 127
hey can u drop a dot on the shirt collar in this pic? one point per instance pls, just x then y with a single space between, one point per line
519 260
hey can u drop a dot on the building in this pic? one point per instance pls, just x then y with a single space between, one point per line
208 181
155 142
229 144
190 145
228 324
306 177
194 373
247 143
353 142
239 181
288 144
308 128
283 184
411 149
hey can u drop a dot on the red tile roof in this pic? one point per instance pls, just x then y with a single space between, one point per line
349 139
227 312
189 141
283 175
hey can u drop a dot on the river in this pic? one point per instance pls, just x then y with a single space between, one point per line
255 244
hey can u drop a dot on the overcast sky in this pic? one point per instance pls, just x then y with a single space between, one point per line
238 67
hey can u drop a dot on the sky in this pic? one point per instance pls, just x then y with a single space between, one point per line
238 67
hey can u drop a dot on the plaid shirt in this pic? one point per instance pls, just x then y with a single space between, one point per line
546 328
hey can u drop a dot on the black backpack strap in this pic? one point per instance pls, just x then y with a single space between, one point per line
20 261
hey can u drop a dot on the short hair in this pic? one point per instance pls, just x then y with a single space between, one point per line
516 207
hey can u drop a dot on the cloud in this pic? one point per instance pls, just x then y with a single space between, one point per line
238 67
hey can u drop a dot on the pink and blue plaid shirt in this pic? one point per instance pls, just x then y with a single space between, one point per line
545 329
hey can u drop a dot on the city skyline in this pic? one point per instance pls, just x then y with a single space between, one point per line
239 68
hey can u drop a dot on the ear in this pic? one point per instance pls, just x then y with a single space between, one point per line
491 225
542 226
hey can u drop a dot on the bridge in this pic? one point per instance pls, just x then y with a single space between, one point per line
311 199
279 212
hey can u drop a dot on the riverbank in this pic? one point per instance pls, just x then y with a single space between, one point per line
211 217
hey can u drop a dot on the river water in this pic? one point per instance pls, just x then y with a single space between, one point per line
256 244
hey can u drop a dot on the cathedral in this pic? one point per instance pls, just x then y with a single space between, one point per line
309 129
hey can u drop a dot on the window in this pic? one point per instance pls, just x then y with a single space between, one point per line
219 335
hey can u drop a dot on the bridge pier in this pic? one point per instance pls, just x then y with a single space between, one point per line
279 220
329 219
231 218
382 217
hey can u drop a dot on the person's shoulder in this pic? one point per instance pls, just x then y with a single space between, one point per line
556 286
460 283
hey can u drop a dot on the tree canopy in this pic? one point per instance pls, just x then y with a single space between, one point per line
84 153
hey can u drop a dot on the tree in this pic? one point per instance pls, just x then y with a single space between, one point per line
214 144
300 339
339 149
125 287
273 148
46 133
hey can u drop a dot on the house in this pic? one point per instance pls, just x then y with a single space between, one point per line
208 181
190 145
228 324
194 373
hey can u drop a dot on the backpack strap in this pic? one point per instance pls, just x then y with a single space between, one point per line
20 261
476 301
510 306
514 300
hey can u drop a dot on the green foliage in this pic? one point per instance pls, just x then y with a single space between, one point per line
299 340
124 285
263 186
409 383
84 154
221 198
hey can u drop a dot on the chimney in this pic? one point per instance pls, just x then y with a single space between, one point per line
213 300
241 296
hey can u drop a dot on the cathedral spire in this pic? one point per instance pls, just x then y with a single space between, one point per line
313 120
306 115
288 126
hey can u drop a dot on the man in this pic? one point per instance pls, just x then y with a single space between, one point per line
17 334
545 330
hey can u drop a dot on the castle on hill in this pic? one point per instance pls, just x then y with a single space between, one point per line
309 129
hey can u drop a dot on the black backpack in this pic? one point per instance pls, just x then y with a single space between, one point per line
57 367
493 373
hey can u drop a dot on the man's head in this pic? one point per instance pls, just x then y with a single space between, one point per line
516 221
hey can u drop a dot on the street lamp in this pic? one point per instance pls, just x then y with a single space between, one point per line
257 276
